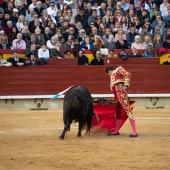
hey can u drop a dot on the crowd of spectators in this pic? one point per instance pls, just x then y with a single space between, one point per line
49 28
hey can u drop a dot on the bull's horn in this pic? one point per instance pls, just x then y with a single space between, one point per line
97 118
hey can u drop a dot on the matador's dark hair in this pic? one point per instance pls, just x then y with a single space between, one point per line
110 68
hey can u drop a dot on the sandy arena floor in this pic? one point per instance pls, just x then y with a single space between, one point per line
29 140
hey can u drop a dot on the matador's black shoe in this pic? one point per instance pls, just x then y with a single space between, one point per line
112 134
132 135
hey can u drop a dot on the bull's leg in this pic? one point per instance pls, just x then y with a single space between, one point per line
79 130
88 120
88 127
66 127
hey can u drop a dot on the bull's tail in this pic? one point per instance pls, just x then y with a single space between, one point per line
97 118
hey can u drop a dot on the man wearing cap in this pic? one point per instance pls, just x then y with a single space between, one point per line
119 82
14 16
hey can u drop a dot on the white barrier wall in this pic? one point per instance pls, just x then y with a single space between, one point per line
44 104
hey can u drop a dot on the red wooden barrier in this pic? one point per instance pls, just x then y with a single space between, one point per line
51 79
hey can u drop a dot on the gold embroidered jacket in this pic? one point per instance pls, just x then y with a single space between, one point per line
120 75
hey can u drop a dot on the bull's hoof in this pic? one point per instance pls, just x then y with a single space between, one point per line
78 136
60 138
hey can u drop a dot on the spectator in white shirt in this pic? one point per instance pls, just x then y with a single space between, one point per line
51 43
33 5
163 7
68 2
52 10
164 13
43 53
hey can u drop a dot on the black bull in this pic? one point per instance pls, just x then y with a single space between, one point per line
78 107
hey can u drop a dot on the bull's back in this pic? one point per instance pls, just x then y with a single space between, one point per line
79 91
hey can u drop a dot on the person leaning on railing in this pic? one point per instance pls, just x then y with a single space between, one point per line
56 52
15 60
167 62
4 62
149 51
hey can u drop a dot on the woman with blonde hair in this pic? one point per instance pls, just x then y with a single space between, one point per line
20 23
70 17
118 15
116 27
120 32
82 35
157 43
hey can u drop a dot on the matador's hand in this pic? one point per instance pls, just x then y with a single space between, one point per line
123 88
